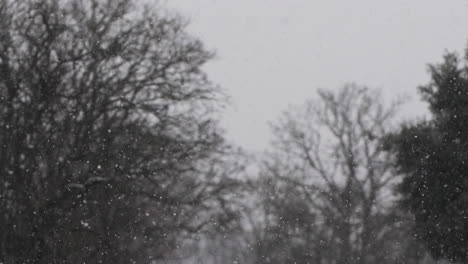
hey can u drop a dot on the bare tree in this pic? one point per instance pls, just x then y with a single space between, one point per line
327 185
108 149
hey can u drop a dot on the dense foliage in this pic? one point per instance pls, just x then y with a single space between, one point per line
433 155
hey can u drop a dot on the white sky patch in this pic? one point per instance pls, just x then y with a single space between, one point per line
274 53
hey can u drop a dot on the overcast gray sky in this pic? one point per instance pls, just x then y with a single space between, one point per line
273 53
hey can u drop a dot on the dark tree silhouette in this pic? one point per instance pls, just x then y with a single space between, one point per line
433 156
108 153
327 185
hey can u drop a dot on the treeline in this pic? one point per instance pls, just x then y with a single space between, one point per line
110 152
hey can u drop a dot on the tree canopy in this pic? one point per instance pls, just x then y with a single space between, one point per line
327 185
432 155
109 152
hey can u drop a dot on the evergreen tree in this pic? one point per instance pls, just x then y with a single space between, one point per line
433 157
